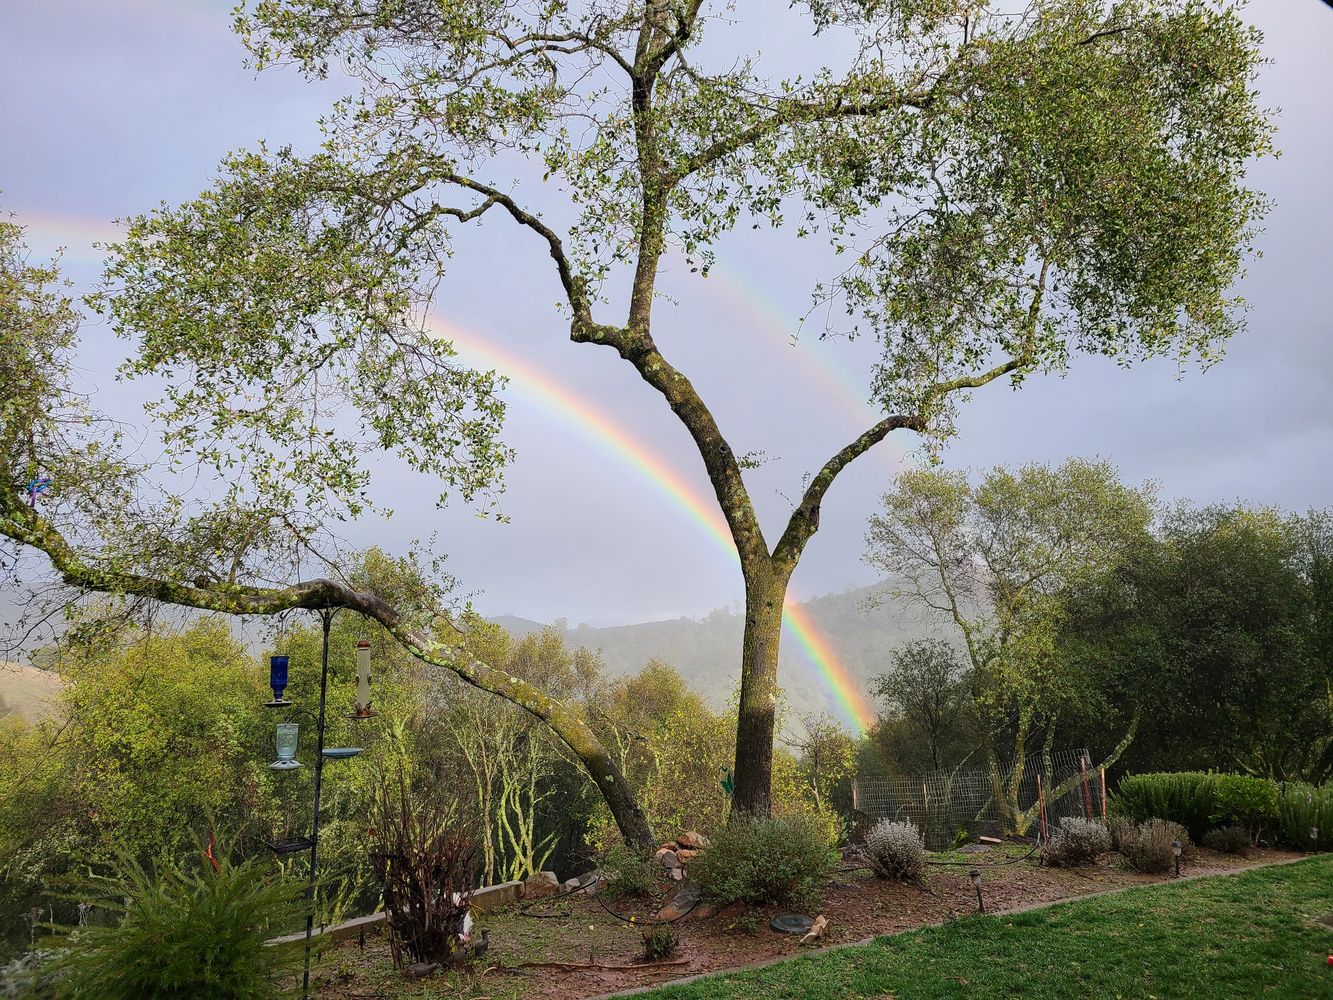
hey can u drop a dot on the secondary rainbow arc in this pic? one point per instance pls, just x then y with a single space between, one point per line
539 388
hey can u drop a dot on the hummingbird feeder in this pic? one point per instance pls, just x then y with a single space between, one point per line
277 680
286 741
363 709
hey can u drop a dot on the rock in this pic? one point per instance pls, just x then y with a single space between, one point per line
816 931
420 970
580 883
693 841
667 858
677 873
973 849
684 854
683 901
539 885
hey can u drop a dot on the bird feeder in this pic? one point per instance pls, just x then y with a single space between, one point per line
286 741
340 753
363 710
277 680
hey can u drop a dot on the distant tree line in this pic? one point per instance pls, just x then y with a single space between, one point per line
1075 611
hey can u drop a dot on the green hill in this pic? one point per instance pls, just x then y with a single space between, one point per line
707 651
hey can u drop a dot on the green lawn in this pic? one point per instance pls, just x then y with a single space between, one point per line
1239 936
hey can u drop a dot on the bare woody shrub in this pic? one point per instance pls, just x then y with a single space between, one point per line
428 867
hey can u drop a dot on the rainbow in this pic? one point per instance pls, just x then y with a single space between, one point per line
78 235
540 389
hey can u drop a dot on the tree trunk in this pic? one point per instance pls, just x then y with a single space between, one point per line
765 592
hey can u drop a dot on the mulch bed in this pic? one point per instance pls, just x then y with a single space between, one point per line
559 958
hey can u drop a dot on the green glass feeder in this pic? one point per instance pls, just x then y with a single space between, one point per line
286 742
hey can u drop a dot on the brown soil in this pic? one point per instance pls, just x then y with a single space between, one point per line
857 905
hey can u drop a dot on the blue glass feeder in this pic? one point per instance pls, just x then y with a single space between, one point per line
277 680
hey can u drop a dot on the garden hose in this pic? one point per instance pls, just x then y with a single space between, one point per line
526 911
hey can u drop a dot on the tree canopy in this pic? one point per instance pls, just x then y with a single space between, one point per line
1003 190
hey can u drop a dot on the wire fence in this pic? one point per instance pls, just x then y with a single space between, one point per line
945 804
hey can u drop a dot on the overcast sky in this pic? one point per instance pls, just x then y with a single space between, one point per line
111 107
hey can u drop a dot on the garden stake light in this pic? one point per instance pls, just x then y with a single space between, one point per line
975 876
1176 848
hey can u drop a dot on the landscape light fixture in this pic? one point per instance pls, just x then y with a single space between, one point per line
1314 838
363 709
975 876
277 680
1176 848
286 741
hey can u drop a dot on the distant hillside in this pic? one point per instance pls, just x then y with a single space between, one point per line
27 691
707 651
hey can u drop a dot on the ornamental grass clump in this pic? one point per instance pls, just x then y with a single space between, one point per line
896 851
1077 842
767 860
1151 851
188 932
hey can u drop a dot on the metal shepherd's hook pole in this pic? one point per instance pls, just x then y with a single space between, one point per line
327 616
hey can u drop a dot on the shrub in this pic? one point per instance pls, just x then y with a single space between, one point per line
896 851
32 976
1122 830
1151 852
428 869
659 942
186 934
1200 801
1302 809
627 873
766 860
1239 800
1077 842
1231 839
1185 798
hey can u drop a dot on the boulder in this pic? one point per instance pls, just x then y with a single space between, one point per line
677 873
693 841
539 885
683 901
667 858
684 854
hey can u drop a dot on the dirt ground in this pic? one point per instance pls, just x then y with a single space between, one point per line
556 957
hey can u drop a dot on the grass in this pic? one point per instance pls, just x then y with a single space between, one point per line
1238 936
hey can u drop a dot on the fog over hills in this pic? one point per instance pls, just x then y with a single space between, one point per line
707 650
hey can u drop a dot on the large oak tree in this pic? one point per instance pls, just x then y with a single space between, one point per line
1003 189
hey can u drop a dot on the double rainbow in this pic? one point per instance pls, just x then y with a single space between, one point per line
78 235
541 390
